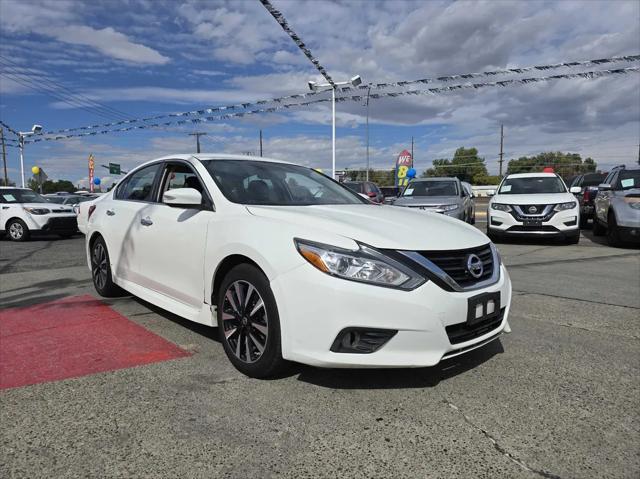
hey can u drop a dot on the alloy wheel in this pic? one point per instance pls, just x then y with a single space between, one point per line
244 321
99 266
16 231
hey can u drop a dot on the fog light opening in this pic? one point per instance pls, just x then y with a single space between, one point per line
361 340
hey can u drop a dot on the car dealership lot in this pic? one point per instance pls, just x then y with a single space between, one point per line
559 397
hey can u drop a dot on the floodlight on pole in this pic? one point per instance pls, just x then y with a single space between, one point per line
314 86
35 129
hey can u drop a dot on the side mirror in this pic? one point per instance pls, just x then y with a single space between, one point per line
576 190
604 186
183 197
491 192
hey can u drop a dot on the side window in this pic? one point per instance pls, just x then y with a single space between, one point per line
180 175
614 180
608 178
139 186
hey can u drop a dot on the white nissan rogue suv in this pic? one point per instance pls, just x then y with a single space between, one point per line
534 205
291 265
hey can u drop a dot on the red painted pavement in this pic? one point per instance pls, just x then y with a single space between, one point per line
73 337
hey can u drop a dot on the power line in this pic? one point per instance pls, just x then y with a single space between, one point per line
40 89
8 63
279 17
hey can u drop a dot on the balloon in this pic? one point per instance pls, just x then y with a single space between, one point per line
411 173
96 181
35 170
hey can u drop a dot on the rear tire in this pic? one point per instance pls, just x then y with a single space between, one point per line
598 229
101 270
613 234
17 230
248 323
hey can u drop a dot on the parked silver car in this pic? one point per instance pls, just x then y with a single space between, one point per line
617 207
442 195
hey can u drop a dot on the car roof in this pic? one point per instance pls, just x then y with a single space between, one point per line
437 178
532 175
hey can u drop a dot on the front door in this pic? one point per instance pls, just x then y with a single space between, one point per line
172 241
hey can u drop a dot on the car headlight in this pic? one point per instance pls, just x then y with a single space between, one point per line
501 207
566 206
38 211
448 207
365 265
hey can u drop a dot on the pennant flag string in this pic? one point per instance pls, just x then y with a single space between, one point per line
297 96
279 17
429 91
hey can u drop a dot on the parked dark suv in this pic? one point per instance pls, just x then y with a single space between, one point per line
588 184
366 188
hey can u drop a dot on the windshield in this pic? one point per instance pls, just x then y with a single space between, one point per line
532 185
357 187
431 188
18 195
629 179
265 183
593 179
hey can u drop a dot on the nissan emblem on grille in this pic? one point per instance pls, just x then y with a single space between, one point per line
474 265
533 209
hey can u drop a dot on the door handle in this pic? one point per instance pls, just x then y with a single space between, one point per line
110 212
146 221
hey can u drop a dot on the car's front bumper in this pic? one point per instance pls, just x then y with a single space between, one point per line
52 223
315 307
562 224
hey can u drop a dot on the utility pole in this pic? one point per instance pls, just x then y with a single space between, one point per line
197 135
501 146
4 158
412 149
260 142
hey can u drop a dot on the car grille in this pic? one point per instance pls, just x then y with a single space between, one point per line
521 212
453 262
524 229
69 223
461 332
62 211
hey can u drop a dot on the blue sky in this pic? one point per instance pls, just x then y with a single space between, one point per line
145 58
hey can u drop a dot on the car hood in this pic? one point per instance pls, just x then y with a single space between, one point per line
534 199
49 206
380 226
427 200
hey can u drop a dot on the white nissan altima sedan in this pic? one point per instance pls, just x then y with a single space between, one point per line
292 266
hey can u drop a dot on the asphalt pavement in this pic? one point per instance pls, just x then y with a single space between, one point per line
558 397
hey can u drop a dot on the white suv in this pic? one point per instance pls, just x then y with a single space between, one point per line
291 265
24 212
534 205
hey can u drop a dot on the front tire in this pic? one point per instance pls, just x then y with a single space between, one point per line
248 323
17 230
613 234
598 229
101 270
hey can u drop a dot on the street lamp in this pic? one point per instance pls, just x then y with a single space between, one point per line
21 136
313 86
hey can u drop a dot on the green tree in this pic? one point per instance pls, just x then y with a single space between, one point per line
50 186
565 164
466 165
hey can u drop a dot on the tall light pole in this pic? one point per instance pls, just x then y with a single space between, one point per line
313 86
21 136
368 92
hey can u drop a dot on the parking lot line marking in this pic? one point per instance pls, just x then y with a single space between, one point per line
73 337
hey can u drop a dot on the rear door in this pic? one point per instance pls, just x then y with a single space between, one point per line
604 197
173 239
120 218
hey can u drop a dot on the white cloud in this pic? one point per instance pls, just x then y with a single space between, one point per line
109 42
